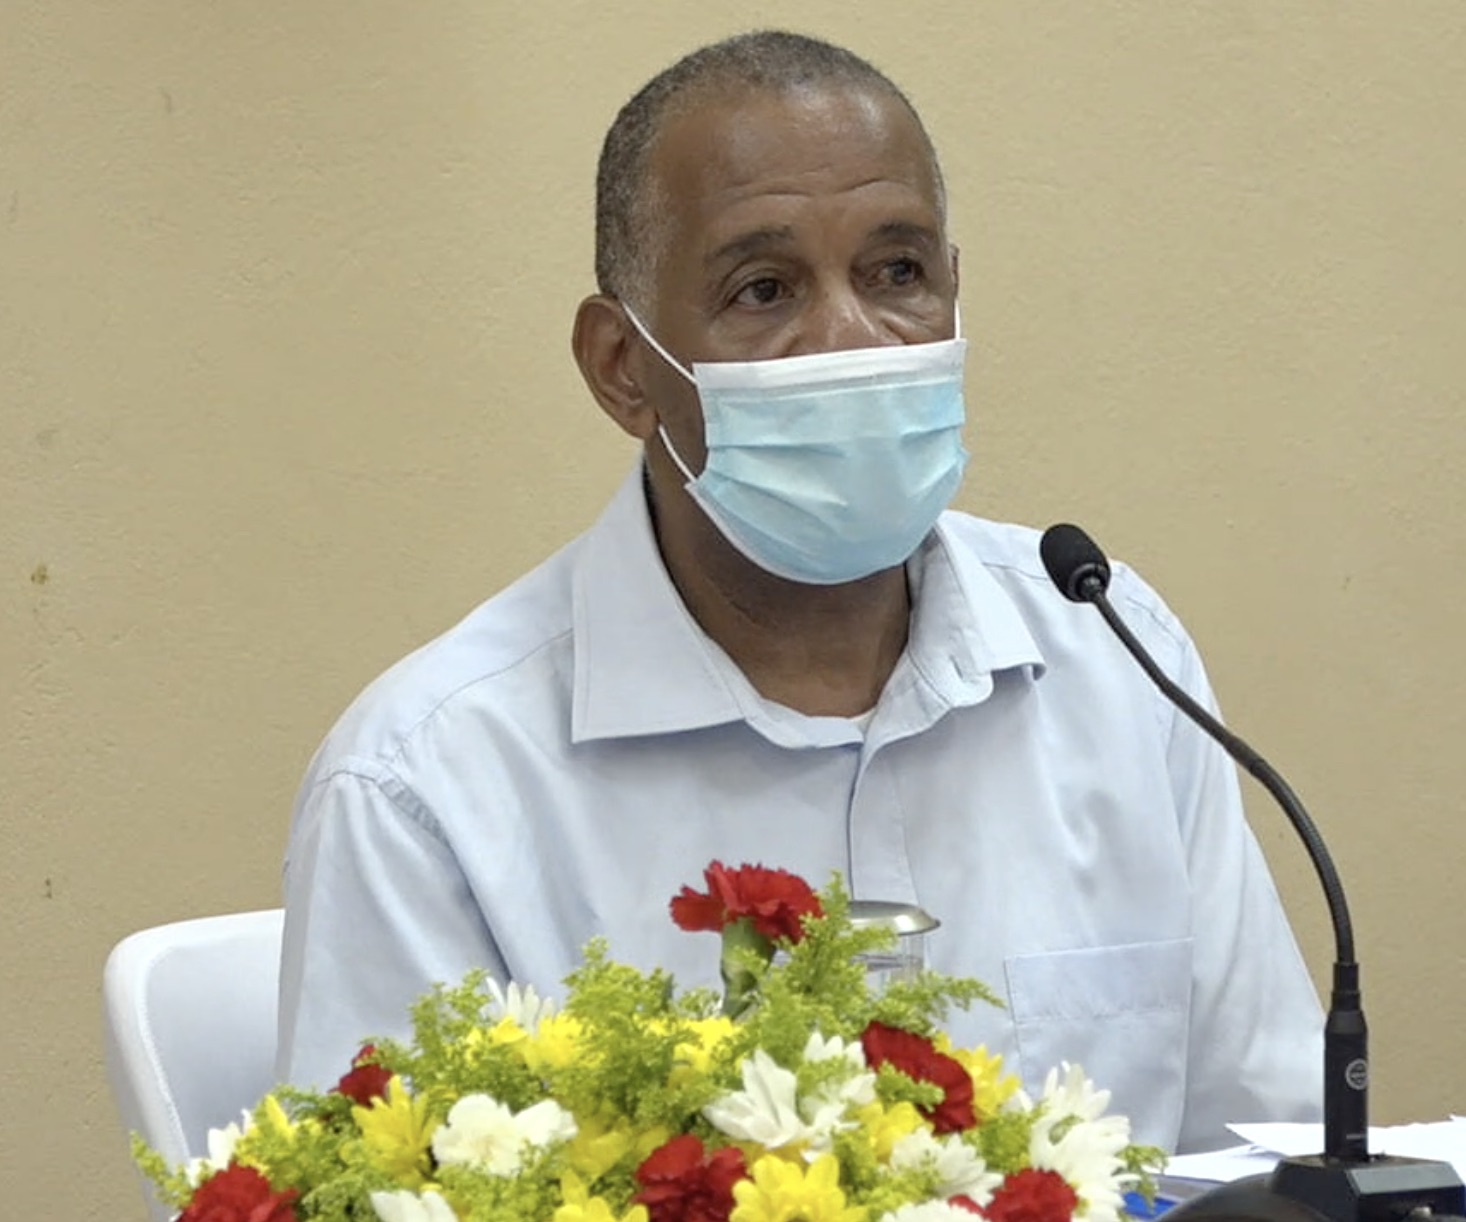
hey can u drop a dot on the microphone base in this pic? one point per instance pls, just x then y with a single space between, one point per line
1382 1188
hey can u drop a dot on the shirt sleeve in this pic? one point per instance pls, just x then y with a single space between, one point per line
1255 1049
377 910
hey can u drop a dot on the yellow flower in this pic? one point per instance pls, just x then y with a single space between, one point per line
710 1032
778 1191
599 1146
470 1049
991 1087
270 1122
596 1210
885 1126
507 1031
276 1119
396 1135
554 1045
580 1206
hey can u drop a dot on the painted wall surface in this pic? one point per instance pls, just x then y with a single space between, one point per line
285 389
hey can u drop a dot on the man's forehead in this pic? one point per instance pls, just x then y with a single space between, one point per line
728 145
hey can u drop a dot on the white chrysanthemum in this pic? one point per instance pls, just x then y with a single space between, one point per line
520 1003
960 1168
404 1206
481 1132
817 1048
764 1110
1073 1094
929 1211
221 1143
768 1110
825 1110
1074 1138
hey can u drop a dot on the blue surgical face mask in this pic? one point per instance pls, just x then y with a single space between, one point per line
826 468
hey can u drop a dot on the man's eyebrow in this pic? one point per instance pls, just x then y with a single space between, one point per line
759 240
905 231
751 243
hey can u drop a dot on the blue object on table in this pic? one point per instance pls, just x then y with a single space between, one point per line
1170 1190
1136 1207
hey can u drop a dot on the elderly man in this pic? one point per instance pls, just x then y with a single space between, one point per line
777 645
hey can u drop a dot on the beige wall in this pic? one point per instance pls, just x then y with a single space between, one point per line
285 289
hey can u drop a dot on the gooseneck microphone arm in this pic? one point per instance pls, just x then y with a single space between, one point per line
1079 569
1345 1183
1258 767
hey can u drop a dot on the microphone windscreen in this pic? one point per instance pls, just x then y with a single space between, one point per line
1074 562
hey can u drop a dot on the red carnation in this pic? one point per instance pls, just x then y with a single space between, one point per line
682 1183
367 1080
239 1194
916 1057
773 900
1033 1196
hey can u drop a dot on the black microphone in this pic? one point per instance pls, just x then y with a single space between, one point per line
1345 1183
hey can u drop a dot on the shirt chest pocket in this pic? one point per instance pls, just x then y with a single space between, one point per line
1122 1012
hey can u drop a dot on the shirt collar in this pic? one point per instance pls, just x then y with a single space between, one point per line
643 666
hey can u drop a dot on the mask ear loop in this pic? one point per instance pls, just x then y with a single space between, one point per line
672 361
672 450
656 347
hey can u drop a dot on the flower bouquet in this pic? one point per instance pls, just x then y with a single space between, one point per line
801 1094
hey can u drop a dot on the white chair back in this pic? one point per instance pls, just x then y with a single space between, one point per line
190 1016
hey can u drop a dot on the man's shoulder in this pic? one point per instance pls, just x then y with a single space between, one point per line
524 627
1003 548
1009 552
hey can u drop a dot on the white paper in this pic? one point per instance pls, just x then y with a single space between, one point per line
1222 1166
1442 1141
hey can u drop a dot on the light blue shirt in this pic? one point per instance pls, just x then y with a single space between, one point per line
561 762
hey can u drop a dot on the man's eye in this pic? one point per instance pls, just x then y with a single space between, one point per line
763 291
903 272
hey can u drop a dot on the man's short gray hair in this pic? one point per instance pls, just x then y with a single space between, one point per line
627 239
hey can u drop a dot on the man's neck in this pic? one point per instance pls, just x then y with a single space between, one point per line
821 650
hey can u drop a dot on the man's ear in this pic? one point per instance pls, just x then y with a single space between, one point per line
604 344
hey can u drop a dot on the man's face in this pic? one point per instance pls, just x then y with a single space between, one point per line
792 223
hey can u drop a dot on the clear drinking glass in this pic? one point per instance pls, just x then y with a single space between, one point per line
910 924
